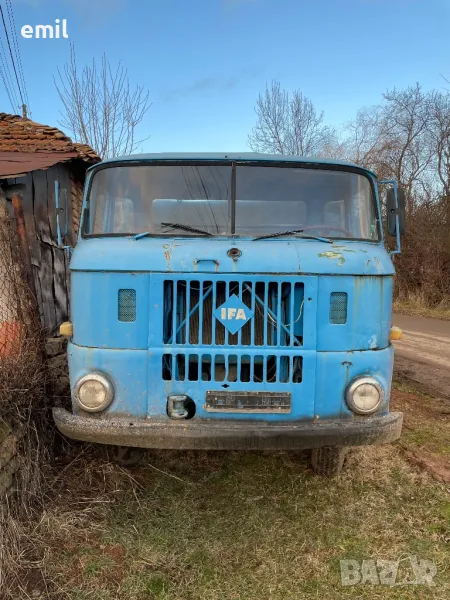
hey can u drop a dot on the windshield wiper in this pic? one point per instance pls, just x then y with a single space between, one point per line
175 226
290 232
186 228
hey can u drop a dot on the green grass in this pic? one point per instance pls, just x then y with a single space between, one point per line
426 420
407 388
432 439
241 526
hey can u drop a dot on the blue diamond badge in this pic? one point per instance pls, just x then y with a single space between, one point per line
233 314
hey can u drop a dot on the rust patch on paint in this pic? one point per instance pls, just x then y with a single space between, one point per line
333 255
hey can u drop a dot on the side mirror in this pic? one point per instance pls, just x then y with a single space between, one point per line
392 211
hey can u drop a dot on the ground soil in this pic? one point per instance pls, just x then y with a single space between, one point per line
422 356
426 430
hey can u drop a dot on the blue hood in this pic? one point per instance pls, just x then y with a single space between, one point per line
210 255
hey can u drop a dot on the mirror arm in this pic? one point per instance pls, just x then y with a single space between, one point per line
394 184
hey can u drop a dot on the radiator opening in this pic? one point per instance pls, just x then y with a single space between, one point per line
219 368
232 368
245 368
206 367
277 309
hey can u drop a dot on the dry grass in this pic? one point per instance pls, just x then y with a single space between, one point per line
417 305
23 407
20 510
233 526
236 525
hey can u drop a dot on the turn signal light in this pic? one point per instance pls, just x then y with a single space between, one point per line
66 329
396 333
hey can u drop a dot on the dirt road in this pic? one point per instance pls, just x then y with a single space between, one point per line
423 354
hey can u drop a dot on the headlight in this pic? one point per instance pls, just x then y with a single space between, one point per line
364 395
93 392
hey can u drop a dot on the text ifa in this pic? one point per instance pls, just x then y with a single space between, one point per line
229 314
56 31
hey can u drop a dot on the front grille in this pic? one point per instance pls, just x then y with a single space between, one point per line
230 368
277 308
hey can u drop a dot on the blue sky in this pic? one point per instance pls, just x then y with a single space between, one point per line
205 61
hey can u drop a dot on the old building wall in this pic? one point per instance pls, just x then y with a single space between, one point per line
49 261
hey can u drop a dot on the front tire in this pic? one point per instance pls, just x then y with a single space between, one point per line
328 461
124 456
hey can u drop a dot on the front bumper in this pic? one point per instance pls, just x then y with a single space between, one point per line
214 435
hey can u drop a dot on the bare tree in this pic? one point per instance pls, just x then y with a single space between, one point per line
366 142
289 124
440 136
100 107
407 119
395 138
405 137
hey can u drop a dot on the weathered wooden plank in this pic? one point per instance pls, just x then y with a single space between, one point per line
46 281
77 198
52 175
61 276
78 179
60 286
41 206
78 175
65 186
28 211
38 288
26 184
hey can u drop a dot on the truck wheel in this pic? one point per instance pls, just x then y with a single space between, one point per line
328 461
125 456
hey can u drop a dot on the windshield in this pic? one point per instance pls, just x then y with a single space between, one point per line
217 199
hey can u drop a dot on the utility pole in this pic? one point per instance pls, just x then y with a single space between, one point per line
24 111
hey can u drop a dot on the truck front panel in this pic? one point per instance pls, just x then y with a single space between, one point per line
231 301
158 334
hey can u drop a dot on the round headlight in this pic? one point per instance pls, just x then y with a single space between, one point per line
93 392
364 395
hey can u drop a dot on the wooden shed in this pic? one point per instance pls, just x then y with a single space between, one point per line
32 158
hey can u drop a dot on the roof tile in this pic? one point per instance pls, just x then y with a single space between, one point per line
23 135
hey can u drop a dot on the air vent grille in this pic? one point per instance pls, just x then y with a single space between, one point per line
338 308
127 306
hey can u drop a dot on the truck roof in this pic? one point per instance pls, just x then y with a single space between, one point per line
227 156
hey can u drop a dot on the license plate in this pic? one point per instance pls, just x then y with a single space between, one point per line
251 402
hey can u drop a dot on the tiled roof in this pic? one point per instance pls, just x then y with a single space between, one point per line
22 135
86 153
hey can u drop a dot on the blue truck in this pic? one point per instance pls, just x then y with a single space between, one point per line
233 301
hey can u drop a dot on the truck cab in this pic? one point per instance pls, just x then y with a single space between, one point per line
228 301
